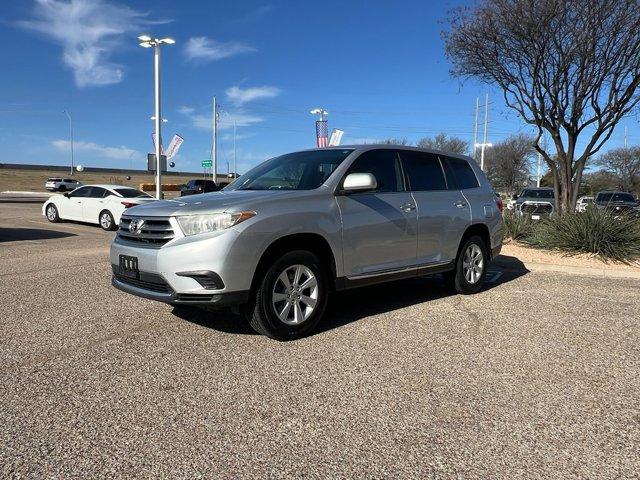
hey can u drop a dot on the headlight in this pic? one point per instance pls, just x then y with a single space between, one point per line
195 224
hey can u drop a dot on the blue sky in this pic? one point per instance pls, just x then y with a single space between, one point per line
377 66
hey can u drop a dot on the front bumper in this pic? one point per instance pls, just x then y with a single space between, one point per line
224 299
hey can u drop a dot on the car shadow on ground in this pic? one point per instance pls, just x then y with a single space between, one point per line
19 234
350 306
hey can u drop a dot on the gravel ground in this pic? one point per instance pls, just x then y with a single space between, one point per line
535 377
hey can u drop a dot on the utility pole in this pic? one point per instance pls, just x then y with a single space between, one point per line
625 137
66 112
475 131
235 162
484 142
539 176
214 141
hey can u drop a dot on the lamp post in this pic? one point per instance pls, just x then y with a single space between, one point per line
147 42
66 112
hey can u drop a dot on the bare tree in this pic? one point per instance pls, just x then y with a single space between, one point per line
441 142
395 141
569 67
508 163
624 164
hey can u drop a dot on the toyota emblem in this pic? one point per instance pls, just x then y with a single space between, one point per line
136 225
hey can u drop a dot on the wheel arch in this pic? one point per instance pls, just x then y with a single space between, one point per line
312 242
481 230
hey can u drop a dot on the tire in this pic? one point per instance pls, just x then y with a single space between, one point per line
52 213
294 317
105 219
467 280
62 188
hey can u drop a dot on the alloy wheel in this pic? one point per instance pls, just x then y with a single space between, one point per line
295 294
51 213
473 263
105 221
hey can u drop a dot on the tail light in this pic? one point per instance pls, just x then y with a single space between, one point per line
128 204
500 204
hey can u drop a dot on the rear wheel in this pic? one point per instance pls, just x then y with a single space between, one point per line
291 297
106 220
62 188
52 213
471 267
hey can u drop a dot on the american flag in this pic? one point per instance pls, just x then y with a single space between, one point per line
322 133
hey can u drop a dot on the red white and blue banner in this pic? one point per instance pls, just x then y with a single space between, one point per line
322 133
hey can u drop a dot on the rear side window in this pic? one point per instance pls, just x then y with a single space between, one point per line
97 192
423 170
464 173
382 164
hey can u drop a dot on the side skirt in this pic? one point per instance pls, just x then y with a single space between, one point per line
345 283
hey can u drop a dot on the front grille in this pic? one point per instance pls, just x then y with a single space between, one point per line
536 208
146 281
154 233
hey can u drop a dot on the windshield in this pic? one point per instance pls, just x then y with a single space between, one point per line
293 171
537 193
130 193
615 197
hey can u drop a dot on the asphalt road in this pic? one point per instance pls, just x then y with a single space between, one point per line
538 376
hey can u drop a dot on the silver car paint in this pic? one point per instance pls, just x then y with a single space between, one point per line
367 232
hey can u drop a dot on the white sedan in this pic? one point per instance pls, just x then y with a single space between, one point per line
101 204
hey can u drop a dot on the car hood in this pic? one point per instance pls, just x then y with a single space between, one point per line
232 200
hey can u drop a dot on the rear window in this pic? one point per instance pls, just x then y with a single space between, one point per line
424 171
54 180
464 173
130 192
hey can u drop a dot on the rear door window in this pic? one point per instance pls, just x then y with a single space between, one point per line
97 192
382 164
423 171
81 192
464 174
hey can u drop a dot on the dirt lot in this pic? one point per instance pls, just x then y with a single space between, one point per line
33 180
537 376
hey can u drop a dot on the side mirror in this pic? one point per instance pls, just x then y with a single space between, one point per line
66 194
359 182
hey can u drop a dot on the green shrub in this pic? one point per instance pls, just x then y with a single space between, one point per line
594 231
516 226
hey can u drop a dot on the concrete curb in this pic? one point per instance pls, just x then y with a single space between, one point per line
511 263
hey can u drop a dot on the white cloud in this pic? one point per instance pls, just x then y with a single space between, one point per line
89 31
186 110
207 49
114 153
225 120
240 96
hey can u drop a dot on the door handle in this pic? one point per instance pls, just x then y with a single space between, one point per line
460 204
407 207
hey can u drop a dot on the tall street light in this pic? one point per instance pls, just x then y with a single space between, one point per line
147 42
66 112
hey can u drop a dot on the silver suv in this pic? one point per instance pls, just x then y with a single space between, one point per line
280 238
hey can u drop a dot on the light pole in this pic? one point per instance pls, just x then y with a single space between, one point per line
482 147
319 111
66 112
147 42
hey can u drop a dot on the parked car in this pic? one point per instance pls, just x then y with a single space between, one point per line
535 203
193 187
617 202
274 243
57 184
583 203
101 204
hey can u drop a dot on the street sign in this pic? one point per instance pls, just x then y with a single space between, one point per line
207 163
151 162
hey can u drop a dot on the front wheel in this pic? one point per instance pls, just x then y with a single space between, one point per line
106 220
52 213
291 297
471 267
